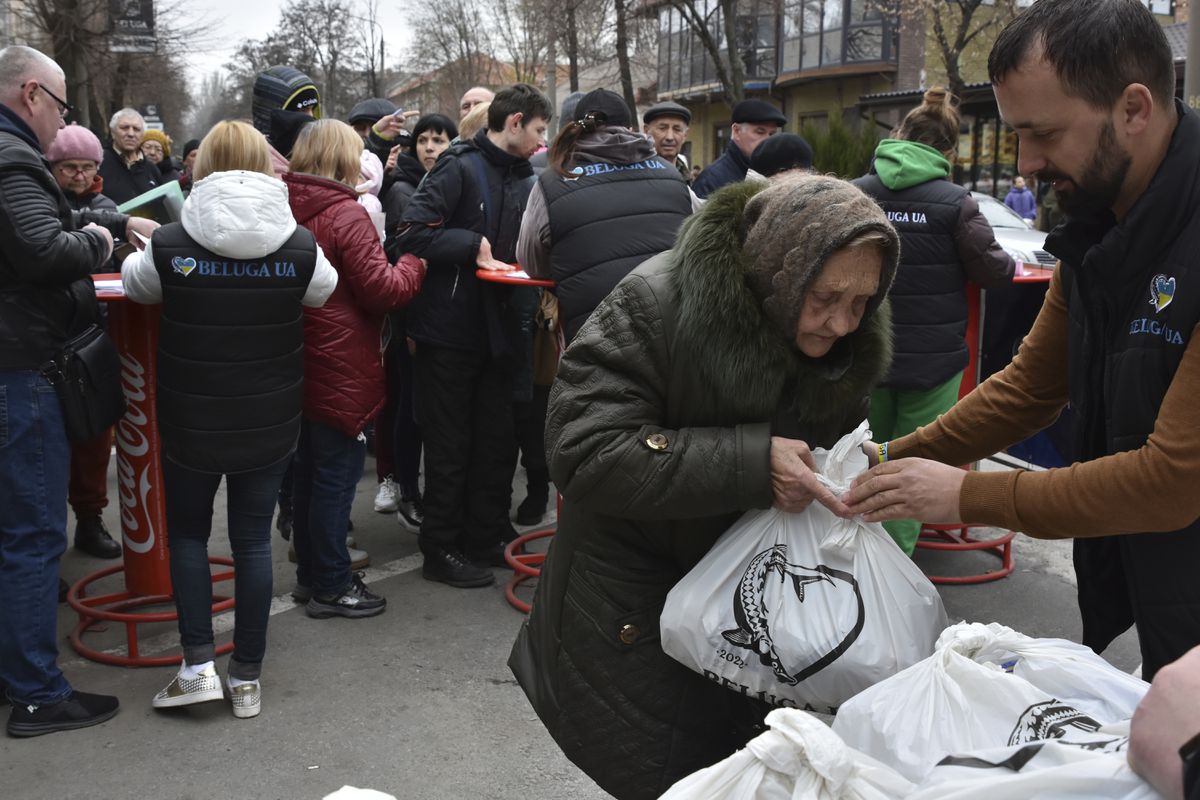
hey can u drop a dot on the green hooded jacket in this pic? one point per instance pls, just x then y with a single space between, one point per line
901 164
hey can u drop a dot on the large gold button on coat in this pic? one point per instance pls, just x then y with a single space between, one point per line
629 634
656 441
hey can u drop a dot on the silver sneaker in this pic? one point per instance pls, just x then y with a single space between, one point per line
247 700
387 496
185 691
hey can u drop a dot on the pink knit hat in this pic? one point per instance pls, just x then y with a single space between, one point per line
75 142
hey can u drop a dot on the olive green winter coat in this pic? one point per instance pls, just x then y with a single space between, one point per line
658 436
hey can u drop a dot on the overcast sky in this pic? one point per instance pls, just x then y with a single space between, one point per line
235 20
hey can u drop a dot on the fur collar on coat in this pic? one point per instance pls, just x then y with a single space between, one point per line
737 351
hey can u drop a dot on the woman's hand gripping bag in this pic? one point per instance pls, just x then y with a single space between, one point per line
799 757
804 610
951 703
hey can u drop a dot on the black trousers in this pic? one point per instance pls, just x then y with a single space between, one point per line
464 408
530 421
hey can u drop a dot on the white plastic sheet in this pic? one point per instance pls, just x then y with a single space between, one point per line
805 609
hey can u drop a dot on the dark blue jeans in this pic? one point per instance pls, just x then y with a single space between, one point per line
327 468
250 505
34 465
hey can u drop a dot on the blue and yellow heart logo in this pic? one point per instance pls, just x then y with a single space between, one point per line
184 266
1162 292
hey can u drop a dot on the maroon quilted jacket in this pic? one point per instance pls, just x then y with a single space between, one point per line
343 348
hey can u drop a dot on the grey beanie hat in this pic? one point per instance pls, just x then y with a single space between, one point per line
792 228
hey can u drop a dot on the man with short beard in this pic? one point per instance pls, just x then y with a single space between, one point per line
126 172
1089 85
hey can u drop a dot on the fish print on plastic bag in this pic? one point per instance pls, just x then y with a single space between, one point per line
753 617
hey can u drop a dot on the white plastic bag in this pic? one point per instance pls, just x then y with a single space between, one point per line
1049 770
950 703
798 758
806 609
1072 673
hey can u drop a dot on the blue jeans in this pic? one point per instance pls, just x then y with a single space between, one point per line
250 506
35 462
327 468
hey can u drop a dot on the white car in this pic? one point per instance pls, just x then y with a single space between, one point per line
1025 243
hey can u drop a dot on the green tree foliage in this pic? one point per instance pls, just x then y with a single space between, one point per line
839 151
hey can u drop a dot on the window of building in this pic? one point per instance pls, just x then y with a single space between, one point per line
828 33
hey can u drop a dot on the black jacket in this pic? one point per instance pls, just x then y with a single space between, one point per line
230 351
945 242
46 292
124 182
729 168
603 223
1133 302
474 190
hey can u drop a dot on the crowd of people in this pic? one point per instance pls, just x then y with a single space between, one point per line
706 330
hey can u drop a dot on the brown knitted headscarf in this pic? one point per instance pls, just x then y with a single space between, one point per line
793 226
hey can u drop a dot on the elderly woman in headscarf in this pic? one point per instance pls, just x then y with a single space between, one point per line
692 395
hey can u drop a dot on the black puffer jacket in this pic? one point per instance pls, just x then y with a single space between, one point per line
475 189
659 435
46 294
946 242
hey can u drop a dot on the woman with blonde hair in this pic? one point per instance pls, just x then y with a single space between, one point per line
232 276
945 242
343 365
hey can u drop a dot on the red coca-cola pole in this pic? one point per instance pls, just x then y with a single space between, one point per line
147 567
134 328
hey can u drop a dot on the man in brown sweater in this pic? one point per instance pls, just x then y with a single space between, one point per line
1113 339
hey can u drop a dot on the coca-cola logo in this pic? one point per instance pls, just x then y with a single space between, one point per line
133 467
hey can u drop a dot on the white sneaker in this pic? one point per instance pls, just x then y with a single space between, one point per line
185 691
387 496
247 699
359 559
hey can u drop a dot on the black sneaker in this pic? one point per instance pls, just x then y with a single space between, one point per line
490 557
410 512
356 601
78 710
92 537
453 569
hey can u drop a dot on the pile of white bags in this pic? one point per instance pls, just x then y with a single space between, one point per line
798 758
805 609
987 687
992 714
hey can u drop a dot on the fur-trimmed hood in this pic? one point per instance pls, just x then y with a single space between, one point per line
728 338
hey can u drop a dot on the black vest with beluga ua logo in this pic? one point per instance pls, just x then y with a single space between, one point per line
648 198
230 351
1133 298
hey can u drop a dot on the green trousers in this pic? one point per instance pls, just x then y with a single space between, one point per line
895 413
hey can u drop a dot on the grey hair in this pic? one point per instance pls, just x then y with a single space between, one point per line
19 64
126 112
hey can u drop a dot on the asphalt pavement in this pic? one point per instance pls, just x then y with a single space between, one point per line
417 702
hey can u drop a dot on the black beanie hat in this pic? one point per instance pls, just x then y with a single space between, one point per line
281 88
611 104
371 110
779 153
189 146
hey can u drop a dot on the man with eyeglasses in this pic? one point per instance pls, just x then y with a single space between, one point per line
127 173
46 297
